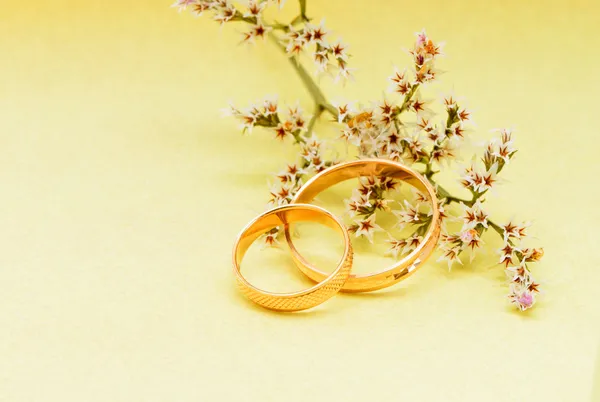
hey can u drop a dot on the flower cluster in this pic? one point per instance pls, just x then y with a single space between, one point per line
325 55
515 257
299 36
289 123
404 127
474 224
366 201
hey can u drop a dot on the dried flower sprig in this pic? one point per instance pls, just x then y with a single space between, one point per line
405 130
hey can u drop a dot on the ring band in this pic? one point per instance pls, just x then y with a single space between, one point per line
378 168
329 284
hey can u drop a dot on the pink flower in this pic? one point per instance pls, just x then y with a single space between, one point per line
525 300
521 296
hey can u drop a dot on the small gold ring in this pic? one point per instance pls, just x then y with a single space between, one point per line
376 168
328 286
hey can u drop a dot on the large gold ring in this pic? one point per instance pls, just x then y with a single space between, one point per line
329 284
376 168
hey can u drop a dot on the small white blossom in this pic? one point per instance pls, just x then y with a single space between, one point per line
518 273
367 227
408 215
358 203
490 177
339 51
255 8
404 246
317 33
258 30
291 174
470 238
282 194
451 255
271 239
225 12
507 253
399 82
512 230
474 215
182 5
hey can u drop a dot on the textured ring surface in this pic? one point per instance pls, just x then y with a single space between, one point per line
328 286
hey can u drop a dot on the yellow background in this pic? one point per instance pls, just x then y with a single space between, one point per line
121 191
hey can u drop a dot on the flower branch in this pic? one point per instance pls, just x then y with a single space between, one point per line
405 130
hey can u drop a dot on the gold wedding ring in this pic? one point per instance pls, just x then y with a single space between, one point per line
328 285
370 168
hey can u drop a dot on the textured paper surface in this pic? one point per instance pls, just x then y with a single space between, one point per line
122 191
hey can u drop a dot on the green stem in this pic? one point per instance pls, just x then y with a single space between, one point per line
303 9
496 227
313 120
443 193
313 89
407 99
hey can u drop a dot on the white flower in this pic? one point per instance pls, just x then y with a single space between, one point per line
457 130
419 196
339 51
470 238
282 194
403 246
200 6
442 211
444 152
506 254
512 230
474 215
480 182
468 177
258 30
343 110
489 178
518 274
418 105
271 239
291 174
367 227
450 254
351 136
297 119
248 122
412 242
224 13
182 5
399 82
317 33
450 101
358 203
255 8
408 215
321 59
344 73
505 149
270 106
532 254
293 41
415 147
463 115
